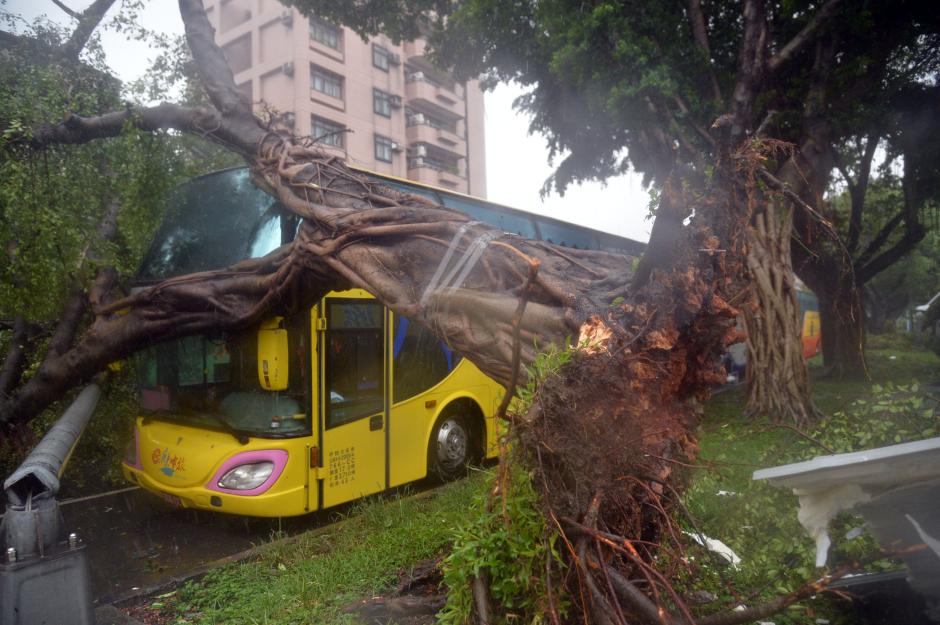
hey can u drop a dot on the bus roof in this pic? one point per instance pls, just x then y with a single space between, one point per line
220 218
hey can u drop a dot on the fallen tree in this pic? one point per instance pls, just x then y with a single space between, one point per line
606 438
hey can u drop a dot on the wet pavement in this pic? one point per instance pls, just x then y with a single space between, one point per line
136 540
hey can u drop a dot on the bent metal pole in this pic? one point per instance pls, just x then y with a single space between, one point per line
31 522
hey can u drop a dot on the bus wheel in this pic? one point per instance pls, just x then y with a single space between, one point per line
450 447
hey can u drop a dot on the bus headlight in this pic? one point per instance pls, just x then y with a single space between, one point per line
247 476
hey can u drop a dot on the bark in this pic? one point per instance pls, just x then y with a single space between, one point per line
778 382
842 324
15 359
88 21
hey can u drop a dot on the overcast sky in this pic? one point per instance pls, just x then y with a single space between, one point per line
516 163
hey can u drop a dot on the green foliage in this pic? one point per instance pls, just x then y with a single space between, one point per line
894 413
507 540
623 83
546 363
52 202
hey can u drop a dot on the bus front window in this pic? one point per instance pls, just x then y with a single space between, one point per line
213 382
354 360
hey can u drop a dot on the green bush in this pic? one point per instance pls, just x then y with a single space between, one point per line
506 540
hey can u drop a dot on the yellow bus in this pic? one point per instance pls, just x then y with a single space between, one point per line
319 408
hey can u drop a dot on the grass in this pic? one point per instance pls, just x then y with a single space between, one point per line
758 521
311 578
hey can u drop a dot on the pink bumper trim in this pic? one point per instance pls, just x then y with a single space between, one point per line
277 456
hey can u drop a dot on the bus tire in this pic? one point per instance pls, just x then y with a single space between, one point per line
451 447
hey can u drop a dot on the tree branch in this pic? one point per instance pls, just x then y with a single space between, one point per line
205 122
87 23
776 605
859 189
872 248
802 38
915 232
70 12
214 70
750 68
697 18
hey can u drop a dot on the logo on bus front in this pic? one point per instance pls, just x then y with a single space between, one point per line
172 464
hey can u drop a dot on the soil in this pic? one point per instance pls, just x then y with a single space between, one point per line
420 595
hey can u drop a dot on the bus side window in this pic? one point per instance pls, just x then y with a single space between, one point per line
420 360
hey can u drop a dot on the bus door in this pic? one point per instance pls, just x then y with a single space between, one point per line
353 403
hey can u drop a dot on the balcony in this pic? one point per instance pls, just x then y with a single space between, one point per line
420 88
418 132
435 174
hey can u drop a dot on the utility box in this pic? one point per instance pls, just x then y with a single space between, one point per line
53 589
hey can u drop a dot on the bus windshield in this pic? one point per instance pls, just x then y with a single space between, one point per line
212 382
215 221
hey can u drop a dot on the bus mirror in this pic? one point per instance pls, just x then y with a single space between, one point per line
273 355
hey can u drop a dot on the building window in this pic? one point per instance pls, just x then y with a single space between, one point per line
327 132
325 33
384 148
238 53
380 57
383 103
326 82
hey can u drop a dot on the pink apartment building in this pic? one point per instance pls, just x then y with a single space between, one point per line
405 117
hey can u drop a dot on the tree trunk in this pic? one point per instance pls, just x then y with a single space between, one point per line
842 318
778 381
843 332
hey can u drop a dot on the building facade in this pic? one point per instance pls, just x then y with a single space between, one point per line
382 106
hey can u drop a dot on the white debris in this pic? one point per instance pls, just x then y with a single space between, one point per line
818 507
716 546
929 540
725 493
854 533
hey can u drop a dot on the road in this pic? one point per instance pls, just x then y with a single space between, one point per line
135 540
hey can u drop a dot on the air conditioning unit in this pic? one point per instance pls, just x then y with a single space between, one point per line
394 59
417 76
288 68
287 18
418 118
421 151
396 147
395 101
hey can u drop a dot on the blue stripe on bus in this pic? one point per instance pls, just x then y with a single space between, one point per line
400 333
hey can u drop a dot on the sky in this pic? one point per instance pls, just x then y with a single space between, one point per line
516 162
